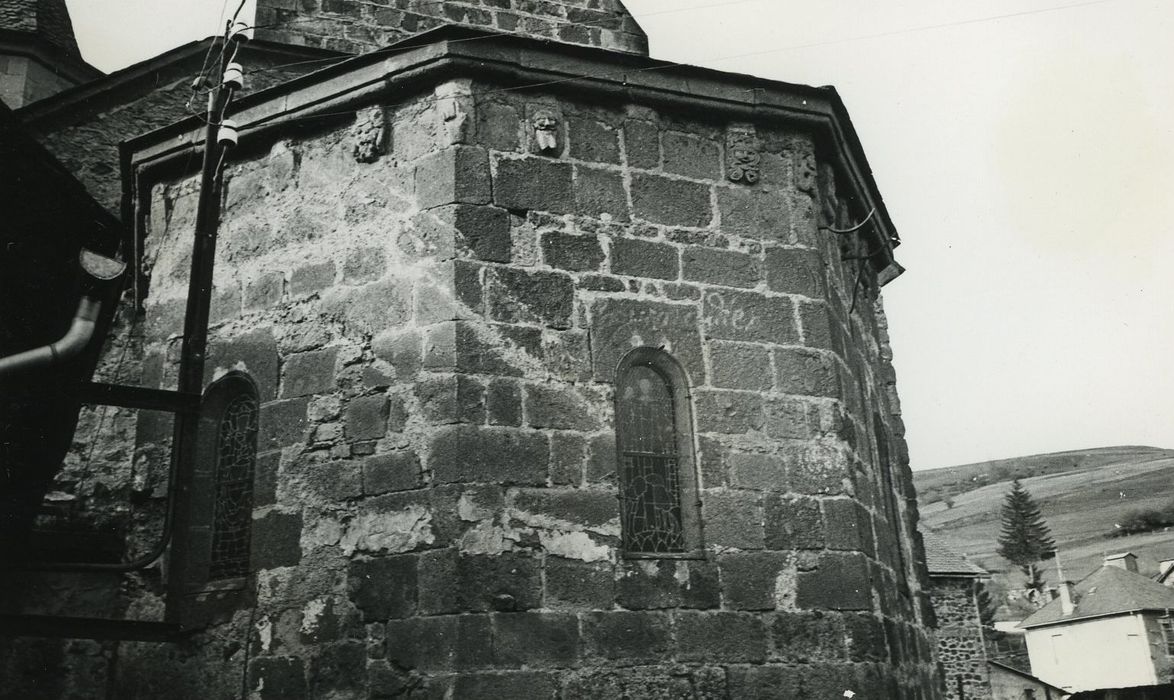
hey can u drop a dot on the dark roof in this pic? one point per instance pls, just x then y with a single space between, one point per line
942 560
1011 669
47 19
1110 590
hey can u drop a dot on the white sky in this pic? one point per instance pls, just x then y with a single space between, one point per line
1027 162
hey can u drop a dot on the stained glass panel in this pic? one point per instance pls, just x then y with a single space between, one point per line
236 458
650 488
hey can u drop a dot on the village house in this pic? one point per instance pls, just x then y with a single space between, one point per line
1113 629
536 368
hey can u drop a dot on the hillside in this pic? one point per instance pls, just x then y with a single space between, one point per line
1083 494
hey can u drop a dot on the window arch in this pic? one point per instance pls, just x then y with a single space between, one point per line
659 507
228 433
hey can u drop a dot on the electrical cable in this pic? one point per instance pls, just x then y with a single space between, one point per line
853 229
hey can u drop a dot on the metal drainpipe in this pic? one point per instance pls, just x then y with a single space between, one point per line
73 342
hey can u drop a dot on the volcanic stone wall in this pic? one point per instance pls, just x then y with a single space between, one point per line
959 640
433 301
358 26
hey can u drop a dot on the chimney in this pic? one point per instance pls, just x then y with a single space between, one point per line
355 26
1126 560
1067 597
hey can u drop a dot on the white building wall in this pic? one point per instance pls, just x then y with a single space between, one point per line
1111 652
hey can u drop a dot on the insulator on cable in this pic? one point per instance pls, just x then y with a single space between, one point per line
198 83
228 135
234 77
240 32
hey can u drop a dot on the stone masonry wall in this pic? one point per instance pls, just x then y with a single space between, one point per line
358 26
433 306
960 645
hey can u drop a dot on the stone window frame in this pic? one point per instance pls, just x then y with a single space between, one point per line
677 381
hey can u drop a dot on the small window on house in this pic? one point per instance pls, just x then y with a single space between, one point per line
231 406
654 439
1168 635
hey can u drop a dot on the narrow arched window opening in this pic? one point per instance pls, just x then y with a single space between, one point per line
658 487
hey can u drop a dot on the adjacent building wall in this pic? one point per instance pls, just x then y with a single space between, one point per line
1111 652
959 640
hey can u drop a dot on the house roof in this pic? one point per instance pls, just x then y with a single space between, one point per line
42 29
942 560
1012 670
1110 590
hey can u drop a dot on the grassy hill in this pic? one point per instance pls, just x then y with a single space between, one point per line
1083 495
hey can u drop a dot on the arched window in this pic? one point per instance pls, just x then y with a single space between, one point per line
654 439
228 427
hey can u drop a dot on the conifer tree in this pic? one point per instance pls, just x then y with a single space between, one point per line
1025 539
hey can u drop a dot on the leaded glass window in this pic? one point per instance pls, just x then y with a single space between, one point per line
236 459
657 488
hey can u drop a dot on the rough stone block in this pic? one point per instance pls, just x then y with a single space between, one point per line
277 678
312 278
795 271
254 352
662 200
451 398
534 184
692 156
568 252
866 636
640 258
585 508
383 588
628 638
497 126
739 366
731 412
366 417
725 267
265 481
807 637
504 402
600 194
458 174
506 582
841 582
265 291
618 325
401 349
601 459
793 523
578 585
559 406
468 454
309 373
371 308
567 456
495 686
806 372
733 518
642 143
282 423
521 296
593 141
720 637
754 214
391 471
844 526
763 472
536 639
817 469
338 669
448 643
751 580
364 265
276 540
750 317
482 232
789 417
820 330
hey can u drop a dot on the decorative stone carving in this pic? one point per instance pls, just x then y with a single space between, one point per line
806 173
545 123
743 161
372 135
